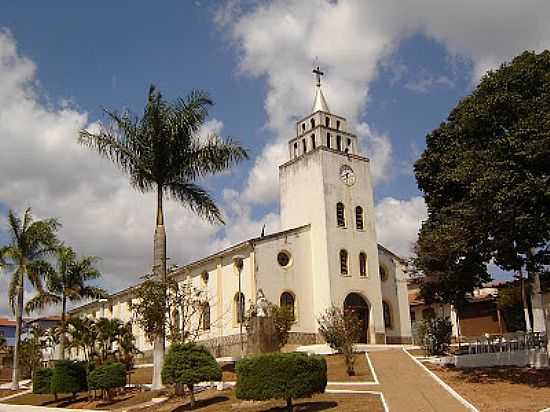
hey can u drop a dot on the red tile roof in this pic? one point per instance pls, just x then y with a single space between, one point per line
7 322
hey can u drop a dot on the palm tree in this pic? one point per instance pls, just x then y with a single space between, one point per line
108 332
127 348
68 282
32 241
162 152
84 335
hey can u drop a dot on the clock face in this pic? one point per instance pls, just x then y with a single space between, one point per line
347 175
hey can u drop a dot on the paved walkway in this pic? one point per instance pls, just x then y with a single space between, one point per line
406 386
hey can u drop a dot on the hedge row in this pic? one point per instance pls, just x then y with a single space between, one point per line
70 377
280 376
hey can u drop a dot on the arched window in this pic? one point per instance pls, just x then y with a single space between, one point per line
328 140
206 316
312 141
287 301
387 314
204 277
303 126
312 123
327 121
383 273
239 308
337 124
344 262
339 142
362 264
295 149
304 146
359 218
340 215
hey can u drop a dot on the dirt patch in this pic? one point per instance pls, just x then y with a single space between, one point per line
8 392
336 369
224 401
123 399
500 389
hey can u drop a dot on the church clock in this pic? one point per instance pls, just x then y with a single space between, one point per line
347 175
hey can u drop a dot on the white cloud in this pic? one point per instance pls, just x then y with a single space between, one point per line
426 82
43 166
212 127
352 39
398 222
378 148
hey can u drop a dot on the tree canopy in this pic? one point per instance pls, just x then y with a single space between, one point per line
485 178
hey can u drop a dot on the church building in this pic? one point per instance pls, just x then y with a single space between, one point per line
327 253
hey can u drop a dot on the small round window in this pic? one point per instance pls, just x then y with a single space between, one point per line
283 258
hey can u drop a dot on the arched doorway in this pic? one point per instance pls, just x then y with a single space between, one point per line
355 304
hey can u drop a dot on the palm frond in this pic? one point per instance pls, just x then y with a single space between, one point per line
37 271
92 292
41 300
15 226
116 147
27 219
197 199
214 156
15 282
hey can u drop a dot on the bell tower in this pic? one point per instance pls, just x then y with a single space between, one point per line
321 128
326 184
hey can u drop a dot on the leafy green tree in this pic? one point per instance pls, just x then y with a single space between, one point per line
341 330
189 364
280 376
41 380
32 242
435 335
31 352
107 377
162 152
67 283
485 178
68 377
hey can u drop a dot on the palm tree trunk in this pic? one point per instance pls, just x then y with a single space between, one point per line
62 340
159 269
18 325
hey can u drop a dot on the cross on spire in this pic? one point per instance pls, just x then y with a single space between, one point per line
318 73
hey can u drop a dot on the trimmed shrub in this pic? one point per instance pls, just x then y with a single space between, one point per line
41 380
188 364
68 377
280 376
107 377
435 335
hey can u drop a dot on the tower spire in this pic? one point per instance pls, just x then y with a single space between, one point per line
319 103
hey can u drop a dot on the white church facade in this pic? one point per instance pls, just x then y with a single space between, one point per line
327 253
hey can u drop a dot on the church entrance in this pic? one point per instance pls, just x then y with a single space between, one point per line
355 304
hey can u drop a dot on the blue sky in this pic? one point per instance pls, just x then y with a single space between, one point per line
394 70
